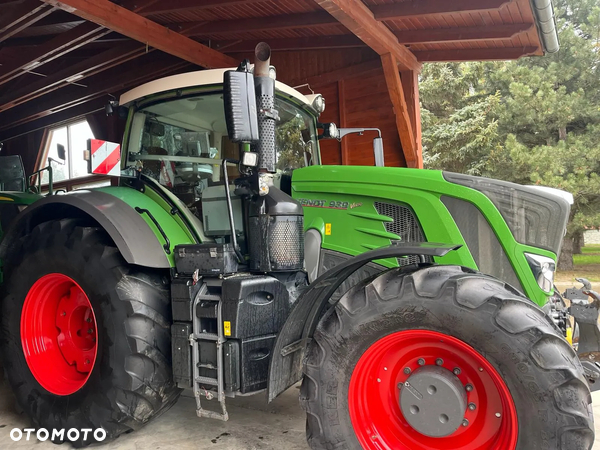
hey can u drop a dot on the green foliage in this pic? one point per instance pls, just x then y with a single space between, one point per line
290 144
531 121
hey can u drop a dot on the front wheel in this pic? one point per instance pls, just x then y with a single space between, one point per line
442 358
85 337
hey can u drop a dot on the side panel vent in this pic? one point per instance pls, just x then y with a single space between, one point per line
405 225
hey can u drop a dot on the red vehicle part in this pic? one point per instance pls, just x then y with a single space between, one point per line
58 334
490 423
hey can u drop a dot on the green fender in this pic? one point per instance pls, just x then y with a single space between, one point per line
144 231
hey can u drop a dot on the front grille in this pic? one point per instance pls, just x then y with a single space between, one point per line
405 225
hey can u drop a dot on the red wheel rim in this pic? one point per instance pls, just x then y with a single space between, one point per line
58 334
373 395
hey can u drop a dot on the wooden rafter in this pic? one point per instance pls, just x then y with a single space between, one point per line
54 119
359 19
100 86
478 33
403 122
475 54
52 49
162 6
280 22
128 23
74 73
420 8
22 15
289 44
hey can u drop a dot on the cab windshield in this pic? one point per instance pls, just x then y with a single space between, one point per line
180 143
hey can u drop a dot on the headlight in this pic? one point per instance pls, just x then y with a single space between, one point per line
319 103
543 270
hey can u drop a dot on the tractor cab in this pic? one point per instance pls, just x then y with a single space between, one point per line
177 133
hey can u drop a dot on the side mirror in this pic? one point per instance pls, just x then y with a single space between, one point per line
239 100
60 151
378 151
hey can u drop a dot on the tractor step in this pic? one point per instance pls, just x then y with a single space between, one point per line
201 383
206 336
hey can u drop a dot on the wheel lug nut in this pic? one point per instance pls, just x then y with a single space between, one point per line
90 331
88 320
400 385
87 361
439 362
456 371
421 362
465 422
407 370
472 407
469 387
63 313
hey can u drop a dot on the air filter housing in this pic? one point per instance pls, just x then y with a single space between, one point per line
276 233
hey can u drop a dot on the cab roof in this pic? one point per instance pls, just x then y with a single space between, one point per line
191 79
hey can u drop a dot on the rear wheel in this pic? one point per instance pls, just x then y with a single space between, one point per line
442 358
85 337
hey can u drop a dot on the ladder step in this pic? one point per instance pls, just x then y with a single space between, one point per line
207 380
207 336
209 297
207 366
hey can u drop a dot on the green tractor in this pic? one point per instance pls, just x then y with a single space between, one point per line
416 307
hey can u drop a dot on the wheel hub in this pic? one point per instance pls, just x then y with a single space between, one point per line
433 401
58 334
481 413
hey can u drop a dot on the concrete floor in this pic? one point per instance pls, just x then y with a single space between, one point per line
253 425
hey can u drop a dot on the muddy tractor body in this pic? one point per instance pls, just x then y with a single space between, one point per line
415 306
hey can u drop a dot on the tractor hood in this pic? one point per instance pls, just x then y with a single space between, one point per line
536 217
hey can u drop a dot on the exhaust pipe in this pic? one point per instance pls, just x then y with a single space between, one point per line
262 55
265 103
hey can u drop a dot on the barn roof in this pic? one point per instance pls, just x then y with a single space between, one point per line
63 59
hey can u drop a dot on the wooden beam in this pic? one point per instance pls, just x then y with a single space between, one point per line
478 33
421 8
101 86
280 22
22 15
128 23
74 73
410 86
54 119
52 49
288 44
359 19
475 54
49 30
403 123
162 6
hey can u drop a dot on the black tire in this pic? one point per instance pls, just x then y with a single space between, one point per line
131 381
551 396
